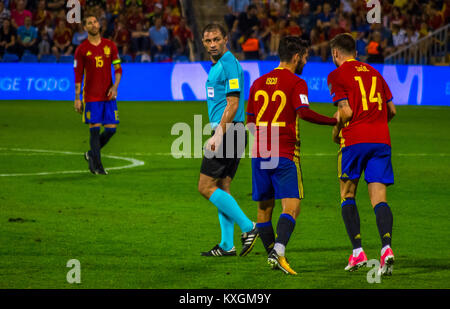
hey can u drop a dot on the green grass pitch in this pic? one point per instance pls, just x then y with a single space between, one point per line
144 227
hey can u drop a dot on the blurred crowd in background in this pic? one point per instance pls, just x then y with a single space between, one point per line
147 30
257 26
155 30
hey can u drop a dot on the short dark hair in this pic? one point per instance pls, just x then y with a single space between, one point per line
344 42
213 27
291 45
86 16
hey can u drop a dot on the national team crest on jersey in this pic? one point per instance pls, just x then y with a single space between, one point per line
107 51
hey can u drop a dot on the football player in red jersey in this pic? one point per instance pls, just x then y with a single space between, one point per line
365 107
93 60
277 101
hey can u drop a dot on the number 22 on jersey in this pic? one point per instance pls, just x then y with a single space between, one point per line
265 96
372 98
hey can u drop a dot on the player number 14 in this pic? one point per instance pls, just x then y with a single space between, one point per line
372 98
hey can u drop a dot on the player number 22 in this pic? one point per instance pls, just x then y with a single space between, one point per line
372 97
265 96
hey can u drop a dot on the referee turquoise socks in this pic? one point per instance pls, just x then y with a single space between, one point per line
229 207
227 229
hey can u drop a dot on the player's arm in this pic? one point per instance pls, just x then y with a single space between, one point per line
309 115
79 71
227 117
112 92
345 112
392 111
229 112
251 118
301 105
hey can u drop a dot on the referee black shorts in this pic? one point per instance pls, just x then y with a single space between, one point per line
225 161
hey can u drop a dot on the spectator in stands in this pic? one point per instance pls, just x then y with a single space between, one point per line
397 18
41 15
62 40
129 3
319 45
324 18
398 36
245 22
235 8
7 38
55 5
135 15
44 43
182 37
293 29
423 31
114 6
49 28
446 11
361 45
122 38
79 36
436 21
295 8
375 49
412 35
250 46
306 20
4 13
140 41
277 8
27 38
335 29
19 14
159 36
157 11
170 18
106 29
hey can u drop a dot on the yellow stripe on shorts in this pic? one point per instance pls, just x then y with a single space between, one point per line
299 177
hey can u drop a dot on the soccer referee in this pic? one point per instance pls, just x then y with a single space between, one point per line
225 99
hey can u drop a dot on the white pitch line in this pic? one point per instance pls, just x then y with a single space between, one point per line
134 162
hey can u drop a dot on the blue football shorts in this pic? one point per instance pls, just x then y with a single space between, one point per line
371 158
282 181
104 112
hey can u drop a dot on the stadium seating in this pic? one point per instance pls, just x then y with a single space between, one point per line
181 58
66 59
29 58
48 59
10 58
272 58
315 59
126 58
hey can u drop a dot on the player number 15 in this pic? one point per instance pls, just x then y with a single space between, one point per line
98 62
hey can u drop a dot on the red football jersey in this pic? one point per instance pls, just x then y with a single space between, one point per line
274 100
94 64
367 94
